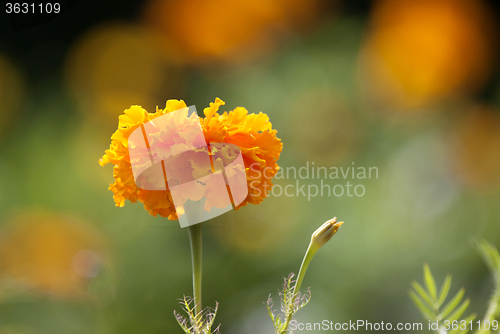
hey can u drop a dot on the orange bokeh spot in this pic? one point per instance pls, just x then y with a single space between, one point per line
231 30
420 51
51 254
115 65
477 150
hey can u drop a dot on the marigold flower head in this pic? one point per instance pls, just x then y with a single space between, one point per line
252 133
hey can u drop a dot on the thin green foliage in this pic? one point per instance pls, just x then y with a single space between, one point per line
430 301
196 323
291 302
492 258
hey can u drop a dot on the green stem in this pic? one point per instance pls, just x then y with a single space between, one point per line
196 241
311 250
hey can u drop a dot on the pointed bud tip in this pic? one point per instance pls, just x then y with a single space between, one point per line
326 231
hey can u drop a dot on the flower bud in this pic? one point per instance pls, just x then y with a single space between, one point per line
318 239
325 232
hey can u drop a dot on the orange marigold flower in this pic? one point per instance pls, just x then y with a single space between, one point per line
252 133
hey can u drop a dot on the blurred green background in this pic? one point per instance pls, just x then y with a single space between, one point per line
411 87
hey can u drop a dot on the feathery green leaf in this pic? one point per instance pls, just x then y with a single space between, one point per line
452 304
459 311
445 288
430 282
422 293
426 312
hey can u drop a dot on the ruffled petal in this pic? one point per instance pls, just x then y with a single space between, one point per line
252 133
